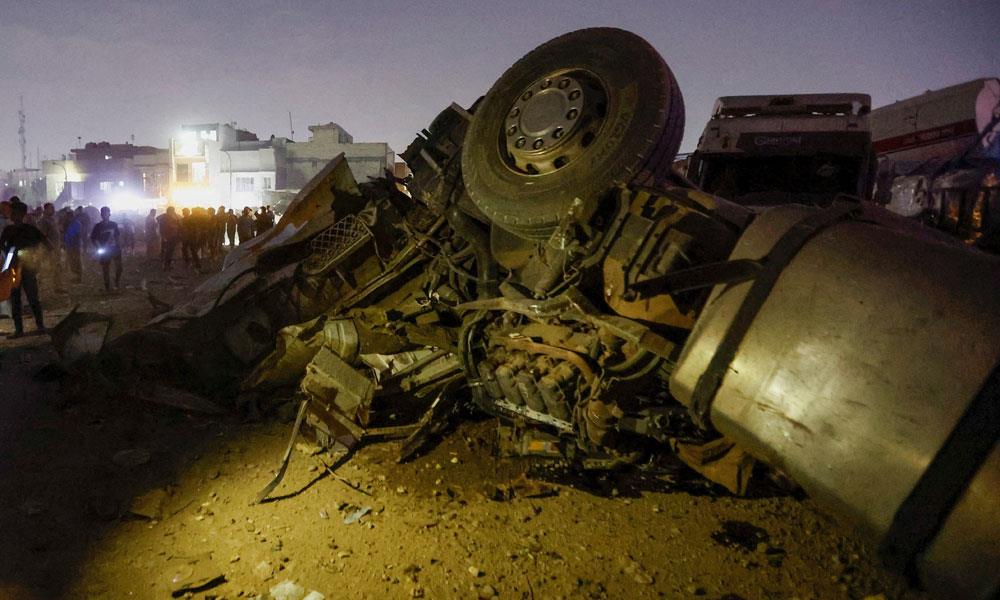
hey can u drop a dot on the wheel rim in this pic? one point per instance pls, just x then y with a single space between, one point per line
553 122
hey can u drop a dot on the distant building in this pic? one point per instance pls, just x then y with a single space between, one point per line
124 176
26 184
305 159
218 164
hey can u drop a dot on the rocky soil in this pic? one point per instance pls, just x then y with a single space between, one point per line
115 497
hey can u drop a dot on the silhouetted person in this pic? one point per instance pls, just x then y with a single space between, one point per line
152 235
128 236
265 220
231 224
4 222
245 224
170 235
106 239
72 240
48 224
86 224
64 218
190 238
221 218
24 241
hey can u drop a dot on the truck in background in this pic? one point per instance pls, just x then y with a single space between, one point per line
782 149
939 159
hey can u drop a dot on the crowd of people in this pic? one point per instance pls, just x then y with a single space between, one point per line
200 232
44 240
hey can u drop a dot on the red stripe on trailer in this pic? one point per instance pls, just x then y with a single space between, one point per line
925 137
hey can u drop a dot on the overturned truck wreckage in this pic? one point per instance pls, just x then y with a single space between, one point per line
546 265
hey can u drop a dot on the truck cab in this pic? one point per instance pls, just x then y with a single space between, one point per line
769 150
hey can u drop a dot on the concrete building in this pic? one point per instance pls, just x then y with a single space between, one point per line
26 184
124 176
218 164
305 159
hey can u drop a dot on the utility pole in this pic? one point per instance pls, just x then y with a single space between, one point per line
291 129
21 137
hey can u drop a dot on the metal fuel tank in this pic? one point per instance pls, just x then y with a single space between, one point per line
869 376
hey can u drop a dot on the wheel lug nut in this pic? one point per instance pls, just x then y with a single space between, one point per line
564 83
520 142
526 95
546 83
558 133
515 112
572 114
512 130
538 144
574 94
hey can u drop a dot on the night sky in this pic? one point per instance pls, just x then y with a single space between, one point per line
383 70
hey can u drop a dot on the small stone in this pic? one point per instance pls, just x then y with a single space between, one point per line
454 460
314 595
417 592
475 572
637 572
695 590
264 570
487 591
149 505
288 590
324 515
401 490
235 558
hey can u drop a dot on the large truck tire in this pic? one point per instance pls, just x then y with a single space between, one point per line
579 114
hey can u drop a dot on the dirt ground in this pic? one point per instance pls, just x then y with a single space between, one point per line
77 474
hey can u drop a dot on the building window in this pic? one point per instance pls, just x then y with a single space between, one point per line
183 173
267 184
199 172
106 186
243 184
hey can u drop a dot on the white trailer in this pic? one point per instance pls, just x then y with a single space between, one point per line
938 155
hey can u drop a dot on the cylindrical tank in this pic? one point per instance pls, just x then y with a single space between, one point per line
873 345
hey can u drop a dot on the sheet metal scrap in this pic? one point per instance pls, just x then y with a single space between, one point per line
80 334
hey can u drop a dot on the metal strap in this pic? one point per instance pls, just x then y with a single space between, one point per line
263 494
787 246
919 518
701 276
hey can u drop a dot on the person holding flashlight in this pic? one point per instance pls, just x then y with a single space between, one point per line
105 238
19 247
